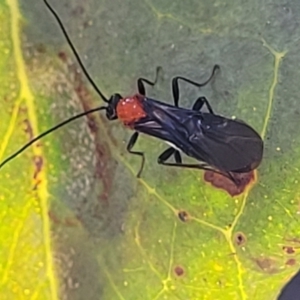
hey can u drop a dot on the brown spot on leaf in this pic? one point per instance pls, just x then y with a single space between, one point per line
220 181
291 262
288 249
266 264
183 216
92 125
38 163
36 184
105 164
240 238
28 129
179 271
103 171
63 56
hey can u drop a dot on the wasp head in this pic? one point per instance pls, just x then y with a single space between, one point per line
113 101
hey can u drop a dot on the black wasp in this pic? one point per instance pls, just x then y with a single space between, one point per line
218 143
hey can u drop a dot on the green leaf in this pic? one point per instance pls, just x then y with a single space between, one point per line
76 223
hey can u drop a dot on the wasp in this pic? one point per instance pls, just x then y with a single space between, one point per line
217 143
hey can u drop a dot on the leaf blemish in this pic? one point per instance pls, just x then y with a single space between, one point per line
38 162
222 182
288 249
291 262
63 56
267 265
28 129
179 271
240 239
183 216
104 165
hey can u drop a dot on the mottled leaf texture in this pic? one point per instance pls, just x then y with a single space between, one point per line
75 222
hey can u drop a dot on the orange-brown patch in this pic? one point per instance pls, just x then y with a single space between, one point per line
130 110
220 181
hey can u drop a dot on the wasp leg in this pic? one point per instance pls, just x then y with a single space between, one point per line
130 145
199 104
141 82
167 154
175 85
177 156
162 159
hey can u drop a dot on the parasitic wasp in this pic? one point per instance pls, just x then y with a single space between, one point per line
219 144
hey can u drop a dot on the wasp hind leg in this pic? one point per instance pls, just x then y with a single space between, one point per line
130 145
162 160
167 154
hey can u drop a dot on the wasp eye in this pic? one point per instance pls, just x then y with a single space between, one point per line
111 113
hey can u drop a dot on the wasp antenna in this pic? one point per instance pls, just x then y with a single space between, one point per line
89 78
49 131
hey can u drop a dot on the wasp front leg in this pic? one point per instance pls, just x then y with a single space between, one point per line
141 82
130 145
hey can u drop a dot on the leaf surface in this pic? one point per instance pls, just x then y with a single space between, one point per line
76 223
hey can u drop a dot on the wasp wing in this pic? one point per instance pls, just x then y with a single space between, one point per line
228 145
164 121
